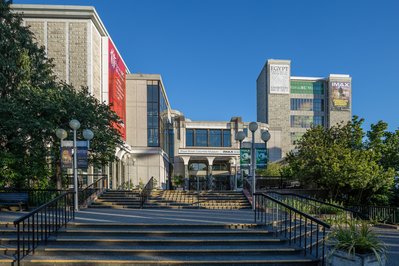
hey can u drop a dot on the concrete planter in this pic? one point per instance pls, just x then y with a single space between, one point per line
342 258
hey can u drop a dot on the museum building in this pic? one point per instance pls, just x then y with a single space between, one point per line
161 142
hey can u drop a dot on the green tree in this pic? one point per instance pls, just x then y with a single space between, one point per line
33 104
272 169
337 160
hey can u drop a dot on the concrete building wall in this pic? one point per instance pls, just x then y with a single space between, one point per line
96 62
136 110
78 54
278 111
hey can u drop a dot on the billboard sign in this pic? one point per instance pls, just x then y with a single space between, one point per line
261 158
279 78
340 95
117 87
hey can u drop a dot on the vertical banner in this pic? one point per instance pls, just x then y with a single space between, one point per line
245 157
279 78
340 95
82 147
66 157
67 154
117 87
261 158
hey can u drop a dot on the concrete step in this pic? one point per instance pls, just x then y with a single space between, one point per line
171 259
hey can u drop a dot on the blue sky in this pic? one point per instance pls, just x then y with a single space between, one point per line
210 52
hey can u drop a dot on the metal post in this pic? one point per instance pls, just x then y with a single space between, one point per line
75 171
253 166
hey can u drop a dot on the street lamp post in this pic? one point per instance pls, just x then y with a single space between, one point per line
88 135
240 136
75 125
253 126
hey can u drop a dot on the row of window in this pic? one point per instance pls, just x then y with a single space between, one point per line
307 87
306 121
208 138
153 115
217 166
299 104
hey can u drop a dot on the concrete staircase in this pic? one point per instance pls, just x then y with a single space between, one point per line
118 199
141 244
8 243
176 199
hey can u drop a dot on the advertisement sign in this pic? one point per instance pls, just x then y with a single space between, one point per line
261 158
340 95
279 78
117 87
245 156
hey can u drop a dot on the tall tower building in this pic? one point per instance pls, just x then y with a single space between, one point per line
290 105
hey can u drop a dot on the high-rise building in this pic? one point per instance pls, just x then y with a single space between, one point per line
290 105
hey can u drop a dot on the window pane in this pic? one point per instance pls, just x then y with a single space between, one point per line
226 138
201 138
215 138
189 137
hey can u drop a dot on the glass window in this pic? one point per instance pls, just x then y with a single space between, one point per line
306 121
189 137
298 104
246 131
215 138
197 167
220 166
201 138
307 87
152 115
226 138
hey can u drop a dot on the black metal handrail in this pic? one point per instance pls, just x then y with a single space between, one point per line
90 192
299 228
314 206
385 214
35 227
146 191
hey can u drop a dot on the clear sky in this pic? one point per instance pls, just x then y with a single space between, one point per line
210 52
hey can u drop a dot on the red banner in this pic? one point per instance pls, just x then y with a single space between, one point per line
117 86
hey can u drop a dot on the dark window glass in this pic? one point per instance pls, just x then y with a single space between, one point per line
220 166
197 167
306 121
226 138
215 138
189 137
201 138
246 132
152 116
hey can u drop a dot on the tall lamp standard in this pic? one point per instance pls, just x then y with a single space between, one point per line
253 126
88 135
240 136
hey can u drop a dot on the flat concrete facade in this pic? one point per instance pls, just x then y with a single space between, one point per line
145 162
291 105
